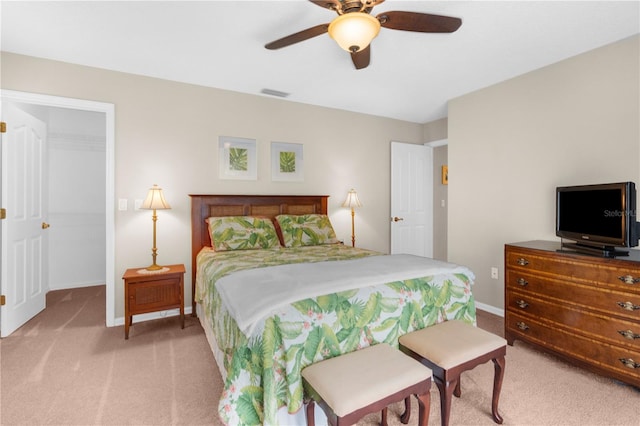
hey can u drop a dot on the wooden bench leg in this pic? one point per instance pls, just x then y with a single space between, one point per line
457 391
311 415
424 407
404 417
424 403
497 387
446 389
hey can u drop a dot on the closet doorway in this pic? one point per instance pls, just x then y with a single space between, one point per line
77 181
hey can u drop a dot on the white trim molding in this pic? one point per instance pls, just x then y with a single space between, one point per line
491 309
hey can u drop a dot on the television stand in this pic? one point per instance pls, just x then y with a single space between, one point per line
602 251
585 309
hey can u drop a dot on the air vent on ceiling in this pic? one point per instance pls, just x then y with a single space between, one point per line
275 93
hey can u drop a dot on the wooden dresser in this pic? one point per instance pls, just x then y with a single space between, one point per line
585 309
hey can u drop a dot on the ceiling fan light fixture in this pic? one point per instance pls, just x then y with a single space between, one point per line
354 31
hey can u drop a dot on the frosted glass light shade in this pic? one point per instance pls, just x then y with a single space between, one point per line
354 31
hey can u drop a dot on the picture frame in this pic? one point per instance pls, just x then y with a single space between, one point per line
287 162
237 158
445 175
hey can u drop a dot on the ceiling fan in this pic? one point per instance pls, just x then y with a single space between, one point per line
354 28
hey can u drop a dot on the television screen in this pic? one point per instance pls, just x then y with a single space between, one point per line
597 215
592 212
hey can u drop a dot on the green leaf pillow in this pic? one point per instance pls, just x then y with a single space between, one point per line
242 233
306 230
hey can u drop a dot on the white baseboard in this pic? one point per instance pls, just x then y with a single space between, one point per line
154 315
77 285
490 309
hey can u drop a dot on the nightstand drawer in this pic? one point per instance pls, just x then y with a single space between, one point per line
150 296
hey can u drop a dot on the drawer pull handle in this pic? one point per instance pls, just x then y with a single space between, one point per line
628 334
628 279
522 326
522 304
628 306
522 282
629 362
522 261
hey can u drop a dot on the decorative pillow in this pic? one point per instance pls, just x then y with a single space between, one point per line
306 230
242 233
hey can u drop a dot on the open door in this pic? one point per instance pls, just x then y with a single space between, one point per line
411 199
24 253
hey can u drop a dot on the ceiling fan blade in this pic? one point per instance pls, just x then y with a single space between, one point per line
419 22
361 58
298 37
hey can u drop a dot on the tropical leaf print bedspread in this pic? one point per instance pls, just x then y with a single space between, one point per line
263 369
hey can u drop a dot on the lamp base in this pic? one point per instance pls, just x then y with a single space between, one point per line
156 271
154 267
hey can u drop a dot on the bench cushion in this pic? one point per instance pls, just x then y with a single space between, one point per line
451 343
358 379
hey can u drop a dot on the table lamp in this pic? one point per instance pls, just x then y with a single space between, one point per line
352 201
155 201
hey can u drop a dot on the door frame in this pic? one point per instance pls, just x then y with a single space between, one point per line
109 110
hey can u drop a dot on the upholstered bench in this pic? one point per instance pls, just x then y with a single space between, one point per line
355 384
448 349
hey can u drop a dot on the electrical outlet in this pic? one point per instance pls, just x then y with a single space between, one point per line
494 272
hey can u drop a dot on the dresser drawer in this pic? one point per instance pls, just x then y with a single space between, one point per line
589 296
620 362
558 315
578 268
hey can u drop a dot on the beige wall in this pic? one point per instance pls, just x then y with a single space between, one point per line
437 131
510 145
167 134
440 204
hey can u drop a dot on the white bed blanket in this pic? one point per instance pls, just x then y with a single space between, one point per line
252 294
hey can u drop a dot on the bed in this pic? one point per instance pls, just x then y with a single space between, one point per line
271 305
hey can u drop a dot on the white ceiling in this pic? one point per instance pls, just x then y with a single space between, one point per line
221 44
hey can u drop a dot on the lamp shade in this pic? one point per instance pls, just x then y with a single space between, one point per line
155 200
352 200
354 31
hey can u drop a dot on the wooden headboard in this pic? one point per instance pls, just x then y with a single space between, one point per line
205 206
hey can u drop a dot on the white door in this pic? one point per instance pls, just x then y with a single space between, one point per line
24 234
411 199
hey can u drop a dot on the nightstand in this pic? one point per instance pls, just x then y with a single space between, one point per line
151 292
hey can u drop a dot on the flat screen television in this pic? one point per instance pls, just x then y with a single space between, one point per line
597 219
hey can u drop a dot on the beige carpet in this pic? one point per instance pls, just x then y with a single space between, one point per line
65 367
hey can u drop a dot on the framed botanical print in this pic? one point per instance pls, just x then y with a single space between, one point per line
287 162
237 158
